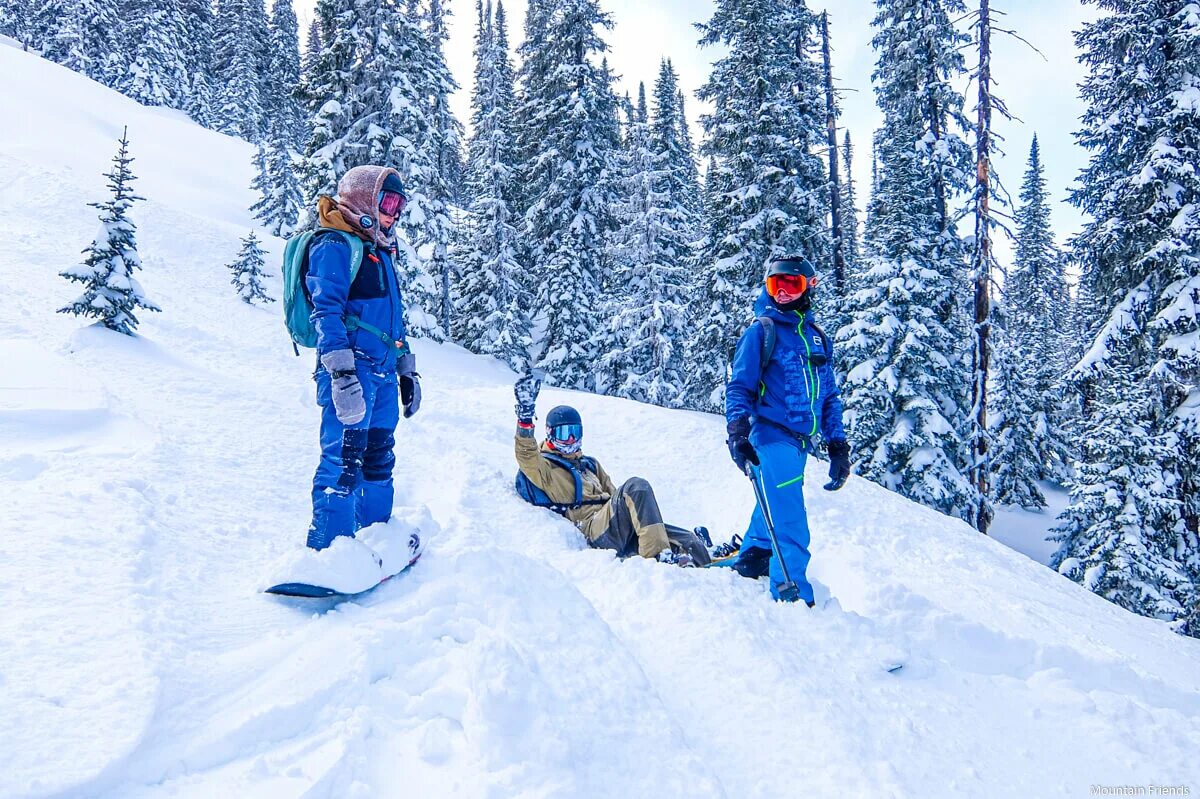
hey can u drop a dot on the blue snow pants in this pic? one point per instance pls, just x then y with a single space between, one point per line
781 471
353 484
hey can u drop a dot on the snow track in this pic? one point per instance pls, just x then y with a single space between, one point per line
145 485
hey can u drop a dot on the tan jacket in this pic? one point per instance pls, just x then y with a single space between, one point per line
558 483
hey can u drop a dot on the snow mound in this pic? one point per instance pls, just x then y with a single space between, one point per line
140 661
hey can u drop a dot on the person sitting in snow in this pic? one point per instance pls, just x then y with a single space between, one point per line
362 354
557 475
774 409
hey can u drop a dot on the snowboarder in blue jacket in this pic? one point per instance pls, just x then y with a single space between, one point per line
778 399
365 371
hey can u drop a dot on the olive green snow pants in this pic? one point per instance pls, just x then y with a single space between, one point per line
632 523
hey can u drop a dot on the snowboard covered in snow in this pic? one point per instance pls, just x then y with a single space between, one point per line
352 566
309 591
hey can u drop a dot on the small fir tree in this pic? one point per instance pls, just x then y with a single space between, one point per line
111 293
248 272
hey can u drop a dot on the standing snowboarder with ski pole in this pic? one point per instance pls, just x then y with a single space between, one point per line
781 393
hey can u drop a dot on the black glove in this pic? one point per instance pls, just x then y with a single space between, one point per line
839 464
410 384
526 391
740 448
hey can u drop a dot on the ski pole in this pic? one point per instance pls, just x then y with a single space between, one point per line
788 590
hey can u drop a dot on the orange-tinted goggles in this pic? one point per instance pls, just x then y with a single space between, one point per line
794 285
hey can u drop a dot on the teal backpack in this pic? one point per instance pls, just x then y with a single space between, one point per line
297 304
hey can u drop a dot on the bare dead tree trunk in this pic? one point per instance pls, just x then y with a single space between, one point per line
980 466
835 189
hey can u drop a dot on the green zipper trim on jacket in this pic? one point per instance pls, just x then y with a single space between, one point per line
793 481
815 379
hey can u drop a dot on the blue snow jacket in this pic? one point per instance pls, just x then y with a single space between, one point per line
374 298
798 395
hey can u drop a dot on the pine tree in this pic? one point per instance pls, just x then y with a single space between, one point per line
278 207
436 185
1030 446
247 271
695 197
15 20
284 117
491 317
567 122
836 293
331 91
237 59
1140 270
906 390
157 71
81 35
766 129
1119 535
199 27
111 293
647 321
850 213
312 48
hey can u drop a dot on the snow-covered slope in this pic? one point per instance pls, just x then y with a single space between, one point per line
145 484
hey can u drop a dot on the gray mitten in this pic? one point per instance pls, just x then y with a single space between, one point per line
348 401
410 384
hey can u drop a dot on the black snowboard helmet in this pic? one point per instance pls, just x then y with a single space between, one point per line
794 266
564 429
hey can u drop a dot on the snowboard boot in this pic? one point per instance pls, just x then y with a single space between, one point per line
753 562
681 559
730 547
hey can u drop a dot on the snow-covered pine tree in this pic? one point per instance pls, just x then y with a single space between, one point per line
237 55
312 48
647 319
15 20
199 27
111 293
835 293
1140 268
278 206
905 347
331 92
1030 446
258 28
436 185
248 272
82 35
765 131
695 192
850 212
1121 532
155 41
491 317
285 120
567 125
671 146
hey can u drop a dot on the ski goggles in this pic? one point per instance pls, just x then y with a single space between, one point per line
392 202
793 285
566 434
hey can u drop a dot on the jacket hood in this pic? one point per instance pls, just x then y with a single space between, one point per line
357 204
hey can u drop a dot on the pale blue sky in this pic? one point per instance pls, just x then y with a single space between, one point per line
1042 92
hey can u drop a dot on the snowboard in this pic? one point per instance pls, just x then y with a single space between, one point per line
725 562
310 591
